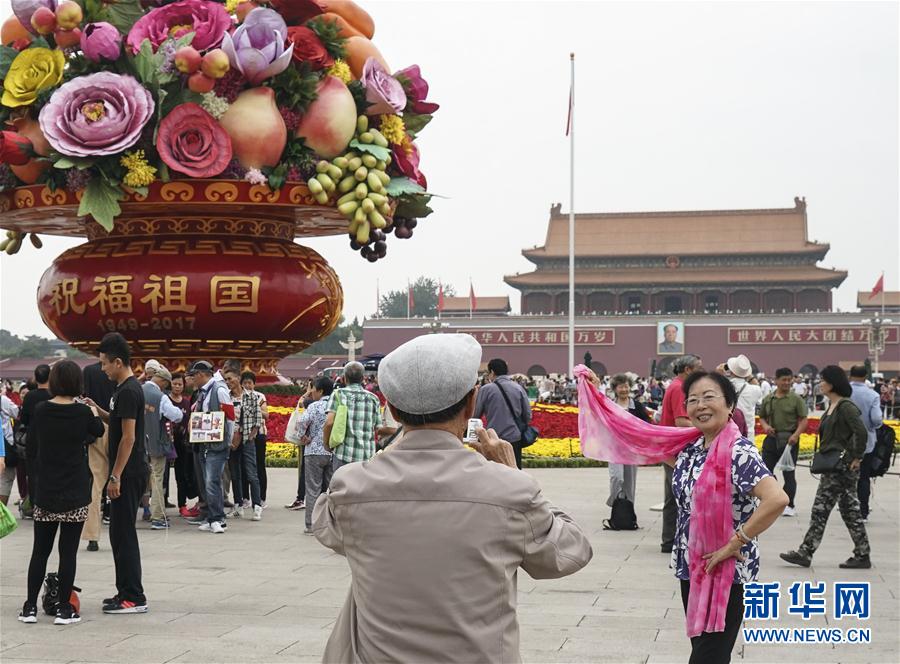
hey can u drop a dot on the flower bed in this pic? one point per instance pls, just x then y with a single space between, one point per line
558 441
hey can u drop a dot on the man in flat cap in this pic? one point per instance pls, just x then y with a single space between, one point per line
435 532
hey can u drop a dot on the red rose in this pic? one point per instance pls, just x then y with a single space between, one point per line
297 11
192 142
308 47
15 149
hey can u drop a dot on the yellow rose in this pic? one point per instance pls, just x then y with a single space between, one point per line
33 70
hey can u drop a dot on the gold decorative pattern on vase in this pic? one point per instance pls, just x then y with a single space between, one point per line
24 198
221 191
260 192
172 191
57 197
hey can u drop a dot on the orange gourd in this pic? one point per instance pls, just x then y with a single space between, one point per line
360 49
13 31
351 12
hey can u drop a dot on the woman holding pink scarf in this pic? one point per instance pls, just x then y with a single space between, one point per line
725 495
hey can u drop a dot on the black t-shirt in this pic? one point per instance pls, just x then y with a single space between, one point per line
32 399
127 403
97 385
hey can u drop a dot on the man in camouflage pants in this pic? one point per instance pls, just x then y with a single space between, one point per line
837 487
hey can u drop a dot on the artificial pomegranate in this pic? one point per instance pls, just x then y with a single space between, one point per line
256 128
330 121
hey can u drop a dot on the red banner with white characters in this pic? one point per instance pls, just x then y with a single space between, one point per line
807 335
603 336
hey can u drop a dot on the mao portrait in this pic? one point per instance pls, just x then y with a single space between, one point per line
670 338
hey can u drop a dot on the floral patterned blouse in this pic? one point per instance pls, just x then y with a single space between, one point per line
747 469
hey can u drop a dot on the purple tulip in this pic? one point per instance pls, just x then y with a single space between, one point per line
256 48
101 41
98 114
383 91
23 9
416 89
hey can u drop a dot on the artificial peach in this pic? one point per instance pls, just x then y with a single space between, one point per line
257 130
13 32
330 121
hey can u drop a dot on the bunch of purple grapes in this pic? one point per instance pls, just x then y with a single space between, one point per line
376 249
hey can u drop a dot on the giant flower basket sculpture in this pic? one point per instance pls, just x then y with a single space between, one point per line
190 142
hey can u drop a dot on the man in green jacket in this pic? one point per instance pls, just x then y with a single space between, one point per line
783 417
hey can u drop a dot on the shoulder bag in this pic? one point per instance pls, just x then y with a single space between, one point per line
529 434
339 428
825 462
292 431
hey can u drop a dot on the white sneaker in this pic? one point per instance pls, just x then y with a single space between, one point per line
789 511
238 512
205 527
263 504
257 513
217 528
246 503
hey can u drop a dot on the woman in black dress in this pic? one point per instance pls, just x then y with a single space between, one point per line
60 431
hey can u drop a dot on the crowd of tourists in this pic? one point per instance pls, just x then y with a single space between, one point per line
107 437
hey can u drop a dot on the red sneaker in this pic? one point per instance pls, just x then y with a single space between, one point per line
190 513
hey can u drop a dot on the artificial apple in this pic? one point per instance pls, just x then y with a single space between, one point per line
29 128
43 20
257 130
200 82
330 121
67 38
187 59
215 63
69 15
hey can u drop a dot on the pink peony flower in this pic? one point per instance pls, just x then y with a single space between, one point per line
383 91
97 114
208 20
190 141
416 89
256 48
406 160
101 41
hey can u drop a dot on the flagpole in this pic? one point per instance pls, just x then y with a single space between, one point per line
377 300
408 291
470 297
882 295
571 216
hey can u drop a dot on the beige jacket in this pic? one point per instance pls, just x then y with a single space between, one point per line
434 535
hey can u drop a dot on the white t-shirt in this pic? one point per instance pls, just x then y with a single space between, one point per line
749 397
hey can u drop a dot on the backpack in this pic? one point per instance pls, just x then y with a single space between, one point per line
883 453
623 516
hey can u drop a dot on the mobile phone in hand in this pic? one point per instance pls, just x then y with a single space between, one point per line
472 430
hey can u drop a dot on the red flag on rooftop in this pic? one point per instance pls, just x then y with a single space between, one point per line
878 288
473 302
411 304
440 297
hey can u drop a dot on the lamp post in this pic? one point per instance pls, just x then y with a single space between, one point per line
435 327
877 336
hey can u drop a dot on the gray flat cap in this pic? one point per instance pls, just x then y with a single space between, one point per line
430 373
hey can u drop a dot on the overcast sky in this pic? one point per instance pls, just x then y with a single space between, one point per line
679 106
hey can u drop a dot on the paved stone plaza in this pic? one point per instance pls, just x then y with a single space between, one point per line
264 592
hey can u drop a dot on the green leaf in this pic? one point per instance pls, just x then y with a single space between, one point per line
123 14
414 206
380 153
63 162
276 176
184 40
39 42
145 64
101 201
415 123
399 186
329 33
7 55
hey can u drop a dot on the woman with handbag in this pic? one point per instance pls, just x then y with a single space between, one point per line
623 477
59 433
842 438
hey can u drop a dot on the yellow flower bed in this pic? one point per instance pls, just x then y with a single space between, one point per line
281 451
282 410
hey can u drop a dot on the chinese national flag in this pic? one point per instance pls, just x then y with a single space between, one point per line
441 297
412 302
473 302
879 287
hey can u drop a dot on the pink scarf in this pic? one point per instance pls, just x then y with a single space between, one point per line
609 433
